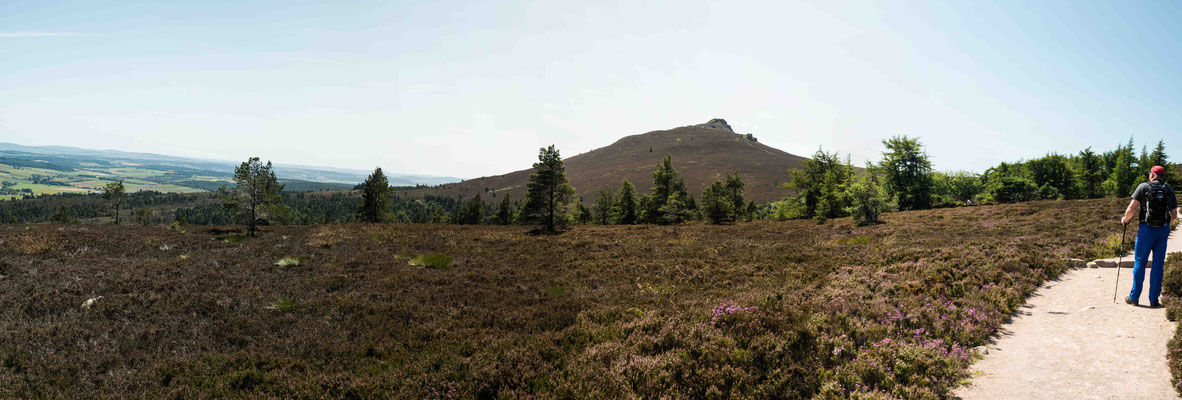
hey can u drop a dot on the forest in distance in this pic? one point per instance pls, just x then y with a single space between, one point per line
825 187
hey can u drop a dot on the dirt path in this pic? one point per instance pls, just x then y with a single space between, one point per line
1070 341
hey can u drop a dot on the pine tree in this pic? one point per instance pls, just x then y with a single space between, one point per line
470 213
818 185
505 211
548 194
626 209
114 193
375 198
1091 173
734 192
255 189
604 203
667 183
584 214
716 204
1124 172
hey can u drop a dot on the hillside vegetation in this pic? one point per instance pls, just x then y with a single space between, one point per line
764 309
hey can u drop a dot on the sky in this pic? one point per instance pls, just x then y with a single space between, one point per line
474 88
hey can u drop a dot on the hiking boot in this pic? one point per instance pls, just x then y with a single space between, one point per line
1154 304
1131 301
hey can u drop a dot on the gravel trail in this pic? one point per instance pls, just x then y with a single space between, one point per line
1070 341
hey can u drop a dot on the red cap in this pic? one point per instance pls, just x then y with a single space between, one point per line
1158 170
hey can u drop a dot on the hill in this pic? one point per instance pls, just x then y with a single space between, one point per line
701 153
28 170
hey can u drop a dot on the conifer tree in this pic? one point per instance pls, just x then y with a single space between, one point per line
667 184
375 198
716 204
255 190
1091 173
114 193
548 194
604 203
734 192
907 173
505 211
626 209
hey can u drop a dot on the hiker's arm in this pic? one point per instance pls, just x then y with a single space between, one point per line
1131 212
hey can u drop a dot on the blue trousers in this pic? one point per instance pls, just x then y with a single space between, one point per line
1149 238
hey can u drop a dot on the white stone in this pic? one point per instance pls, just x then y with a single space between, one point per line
90 302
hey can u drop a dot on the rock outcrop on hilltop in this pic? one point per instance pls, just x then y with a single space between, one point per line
717 123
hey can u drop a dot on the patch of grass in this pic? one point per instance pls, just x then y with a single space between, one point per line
290 261
1111 246
282 304
853 240
432 260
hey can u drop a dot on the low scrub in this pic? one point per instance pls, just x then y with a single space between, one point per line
1172 299
766 309
33 242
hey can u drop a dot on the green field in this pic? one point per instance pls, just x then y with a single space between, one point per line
85 180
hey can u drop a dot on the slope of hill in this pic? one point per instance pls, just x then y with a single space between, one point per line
701 153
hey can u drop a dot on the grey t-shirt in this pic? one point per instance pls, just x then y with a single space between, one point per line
1143 191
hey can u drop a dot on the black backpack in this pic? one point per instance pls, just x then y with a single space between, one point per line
1157 213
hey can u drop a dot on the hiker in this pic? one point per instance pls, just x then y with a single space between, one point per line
1155 206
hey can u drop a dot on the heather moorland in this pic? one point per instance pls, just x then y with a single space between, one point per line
765 309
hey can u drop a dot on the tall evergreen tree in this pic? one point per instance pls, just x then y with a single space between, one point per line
626 209
667 183
734 192
505 211
1159 157
114 193
470 213
583 214
716 204
1124 172
548 194
604 203
375 198
1091 173
255 190
819 184
907 172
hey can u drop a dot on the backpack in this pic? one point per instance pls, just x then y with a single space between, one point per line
1157 213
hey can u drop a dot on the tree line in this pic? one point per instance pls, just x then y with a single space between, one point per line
823 187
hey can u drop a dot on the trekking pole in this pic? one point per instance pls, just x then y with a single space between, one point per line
1119 258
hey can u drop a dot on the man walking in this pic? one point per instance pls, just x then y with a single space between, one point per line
1155 206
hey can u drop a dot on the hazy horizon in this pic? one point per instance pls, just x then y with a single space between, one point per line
470 89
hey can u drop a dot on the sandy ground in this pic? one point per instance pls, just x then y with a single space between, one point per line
1070 341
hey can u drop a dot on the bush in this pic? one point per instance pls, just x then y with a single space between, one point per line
1011 189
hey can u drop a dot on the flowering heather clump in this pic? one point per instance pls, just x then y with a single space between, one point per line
726 309
816 312
1172 298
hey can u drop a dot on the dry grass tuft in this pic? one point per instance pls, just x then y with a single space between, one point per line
34 242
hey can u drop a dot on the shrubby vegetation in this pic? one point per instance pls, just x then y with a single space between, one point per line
409 311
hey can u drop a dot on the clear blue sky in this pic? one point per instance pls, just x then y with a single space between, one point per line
474 88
